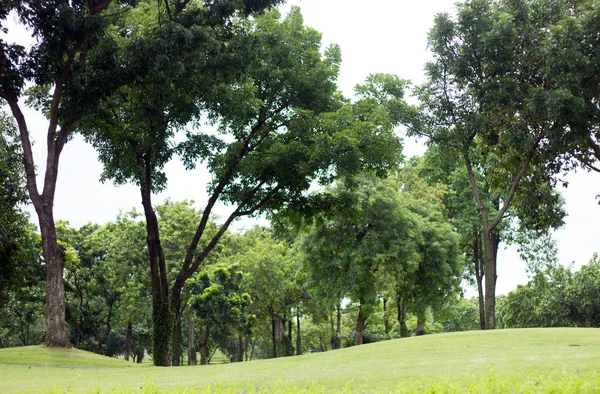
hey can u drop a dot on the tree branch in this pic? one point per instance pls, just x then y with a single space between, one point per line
515 184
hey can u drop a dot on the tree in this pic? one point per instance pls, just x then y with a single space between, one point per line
281 125
72 57
483 102
222 308
440 264
347 253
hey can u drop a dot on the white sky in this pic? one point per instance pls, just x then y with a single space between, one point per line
375 36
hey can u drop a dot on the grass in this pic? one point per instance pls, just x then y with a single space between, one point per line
527 361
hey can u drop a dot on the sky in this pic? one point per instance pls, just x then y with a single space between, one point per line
378 36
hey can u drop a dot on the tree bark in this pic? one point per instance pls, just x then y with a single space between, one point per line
240 347
420 323
478 260
128 341
54 257
402 317
274 336
298 338
162 321
204 347
386 319
491 242
191 345
360 325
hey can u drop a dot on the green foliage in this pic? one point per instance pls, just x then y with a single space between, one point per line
555 297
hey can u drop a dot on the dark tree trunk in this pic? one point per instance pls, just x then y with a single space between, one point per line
139 356
289 340
128 341
360 325
298 338
204 347
177 344
191 345
490 244
402 317
386 318
420 323
240 347
274 336
162 320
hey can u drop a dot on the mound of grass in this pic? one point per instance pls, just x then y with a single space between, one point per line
532 360
41 356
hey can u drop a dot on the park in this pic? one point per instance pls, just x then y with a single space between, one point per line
299 196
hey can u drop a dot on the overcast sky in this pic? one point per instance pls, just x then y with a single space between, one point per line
378 36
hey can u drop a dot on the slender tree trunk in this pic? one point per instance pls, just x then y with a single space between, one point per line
191 345
386 319
240 347
204 347
478 260
298 338
128 341
360 325
274 336
490 244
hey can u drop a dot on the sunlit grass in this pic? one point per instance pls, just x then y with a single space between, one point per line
533 360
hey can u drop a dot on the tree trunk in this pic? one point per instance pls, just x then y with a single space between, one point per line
478 260
402 317
274 336
162 320
386 319
54 258
490 244
298 338
128 341
240 347
420 323
204 347
191 345
360 325
177 344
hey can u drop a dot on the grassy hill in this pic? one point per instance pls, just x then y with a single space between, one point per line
529 360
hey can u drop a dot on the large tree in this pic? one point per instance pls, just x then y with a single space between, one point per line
281 126
70 65
484 102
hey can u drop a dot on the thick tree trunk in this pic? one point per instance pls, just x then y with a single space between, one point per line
54 258
298 338
162 319
204 347
191 339
128 341
360 325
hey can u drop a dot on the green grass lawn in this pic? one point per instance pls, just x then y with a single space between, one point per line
527 361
